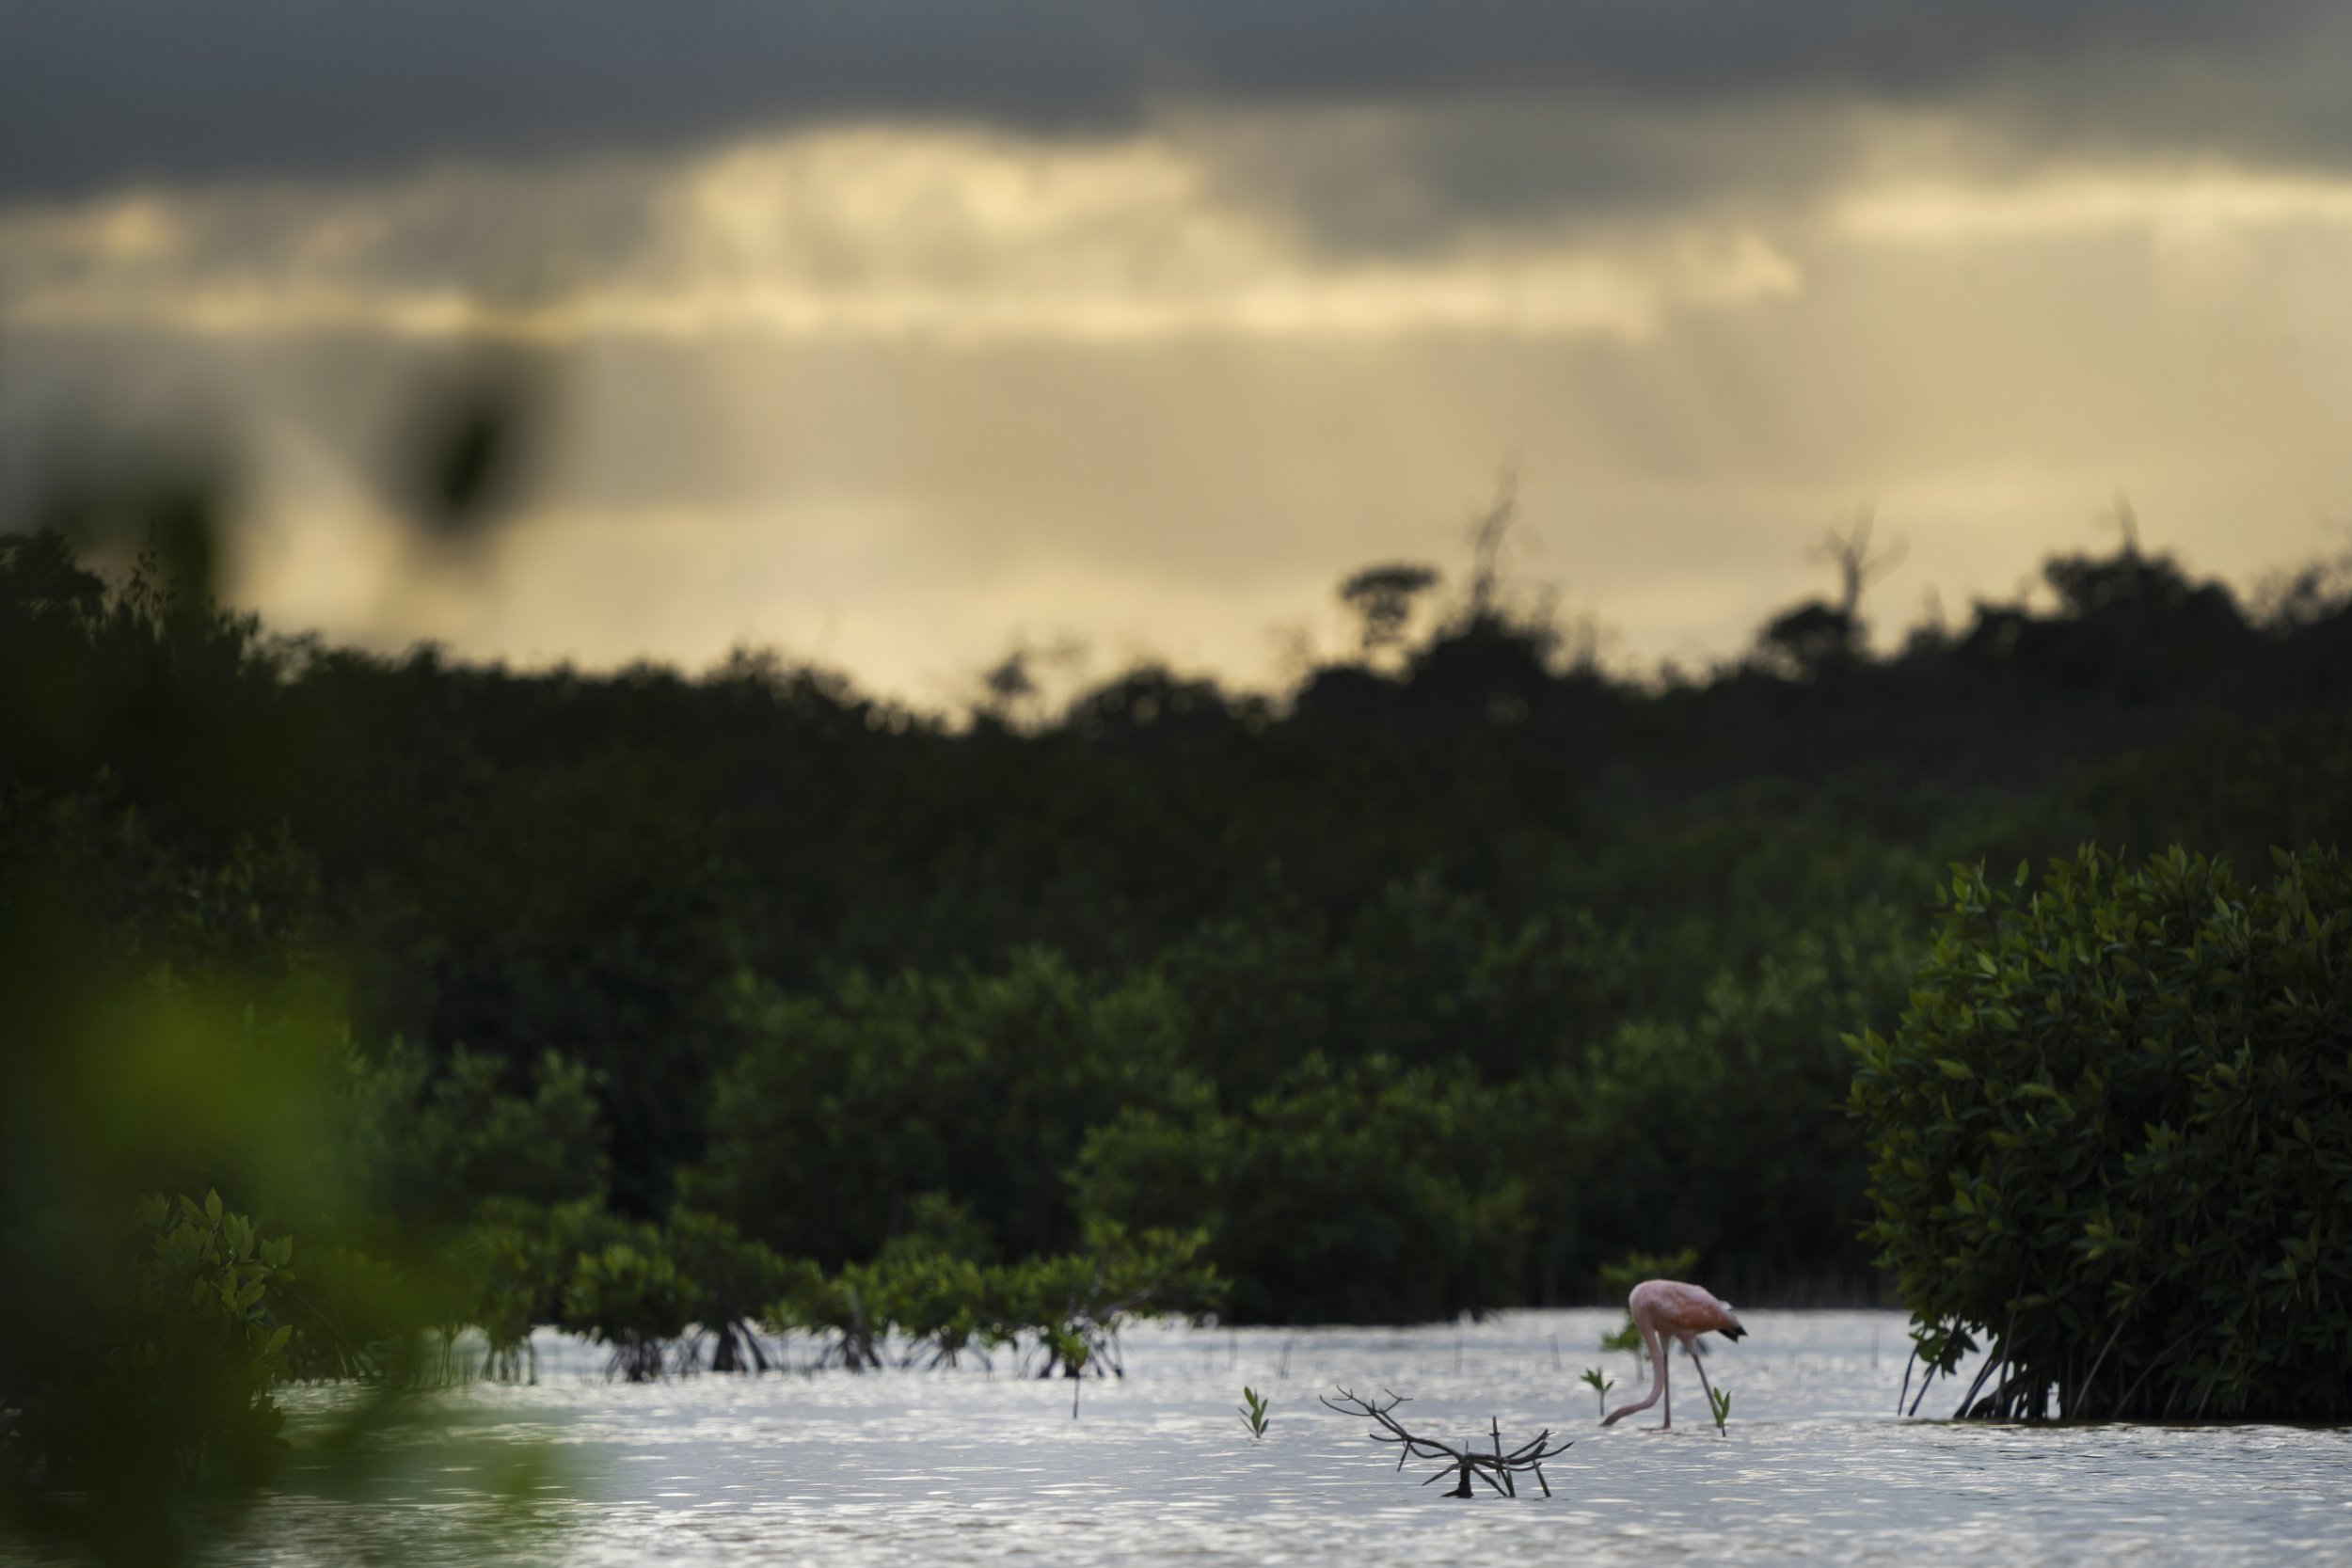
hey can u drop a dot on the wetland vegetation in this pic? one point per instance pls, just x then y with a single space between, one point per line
354 999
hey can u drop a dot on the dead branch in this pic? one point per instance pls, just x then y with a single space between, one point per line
1857 568
1496 1468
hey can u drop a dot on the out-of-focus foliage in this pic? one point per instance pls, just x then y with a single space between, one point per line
166 1354
2111 1139
166 1032
172 1026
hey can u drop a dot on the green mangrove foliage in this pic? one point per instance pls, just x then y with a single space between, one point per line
634 1300
657 1294
1369 1189
165 1032
1429 985
732 1280
982 1086
1367 1195
2112 1140
848 1312
1069 1307
452 1132
1076 1303
176 1344
946 1306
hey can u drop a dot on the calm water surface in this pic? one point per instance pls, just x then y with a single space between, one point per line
966 1467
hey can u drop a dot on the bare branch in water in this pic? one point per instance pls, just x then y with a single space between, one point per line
1496 1468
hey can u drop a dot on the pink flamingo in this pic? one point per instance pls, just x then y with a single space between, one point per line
1665 1310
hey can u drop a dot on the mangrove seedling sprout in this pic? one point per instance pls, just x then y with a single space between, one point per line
1254 1411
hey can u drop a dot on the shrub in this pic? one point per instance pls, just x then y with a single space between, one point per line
513 1263
634 1299
1073 1306
851 1310
730 1278
175 1344
1076 1305
2112 1140
943 1304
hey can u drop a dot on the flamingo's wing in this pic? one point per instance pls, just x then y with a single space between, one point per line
1678 1309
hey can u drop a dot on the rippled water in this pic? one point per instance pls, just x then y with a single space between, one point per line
962 1468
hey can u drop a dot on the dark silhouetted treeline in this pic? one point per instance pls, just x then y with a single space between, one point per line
1436 984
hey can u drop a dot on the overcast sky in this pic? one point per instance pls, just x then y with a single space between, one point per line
900 332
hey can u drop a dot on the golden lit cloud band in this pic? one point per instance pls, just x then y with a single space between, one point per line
947 237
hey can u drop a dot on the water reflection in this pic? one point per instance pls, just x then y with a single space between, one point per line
967 1467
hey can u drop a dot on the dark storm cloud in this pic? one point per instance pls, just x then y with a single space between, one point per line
97 93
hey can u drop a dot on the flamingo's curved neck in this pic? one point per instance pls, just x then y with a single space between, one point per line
1656 1376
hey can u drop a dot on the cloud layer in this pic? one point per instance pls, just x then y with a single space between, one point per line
106 92
943 235
894 332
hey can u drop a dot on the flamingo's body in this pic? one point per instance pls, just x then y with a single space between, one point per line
1665 1309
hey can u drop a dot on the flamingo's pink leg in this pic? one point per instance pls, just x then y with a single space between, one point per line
1691 1345
1666 1393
